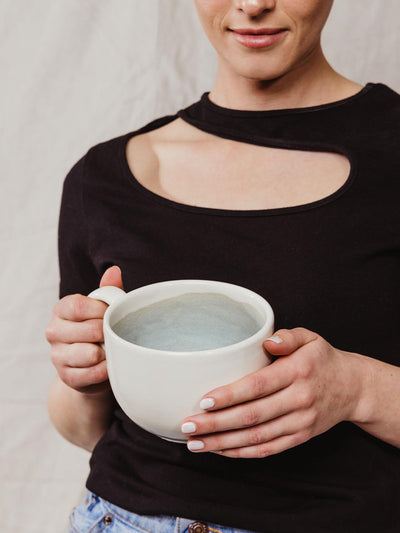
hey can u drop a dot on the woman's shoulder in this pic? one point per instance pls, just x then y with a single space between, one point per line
144 146
377 113
155 125
107 153
383 98
388 91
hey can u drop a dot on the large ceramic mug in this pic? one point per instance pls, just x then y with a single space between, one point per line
157 389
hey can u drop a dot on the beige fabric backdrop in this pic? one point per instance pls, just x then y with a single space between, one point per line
74 73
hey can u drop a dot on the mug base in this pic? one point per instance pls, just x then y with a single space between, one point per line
179 441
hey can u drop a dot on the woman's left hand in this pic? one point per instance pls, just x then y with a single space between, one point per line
308 389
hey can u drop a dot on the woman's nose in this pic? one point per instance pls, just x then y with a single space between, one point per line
253 8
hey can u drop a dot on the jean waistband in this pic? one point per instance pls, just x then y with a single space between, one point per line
177 524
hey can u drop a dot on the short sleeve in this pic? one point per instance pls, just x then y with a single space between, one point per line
77 271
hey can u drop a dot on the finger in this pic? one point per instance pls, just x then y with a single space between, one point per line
112 276
65 331
261 451
252 437
263 382
80 378
84 355
77 307
287 341
244 415
77 355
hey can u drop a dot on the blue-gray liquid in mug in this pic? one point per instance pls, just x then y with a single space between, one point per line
190 322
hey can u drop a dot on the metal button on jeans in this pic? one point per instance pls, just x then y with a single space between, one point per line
198 527
108 519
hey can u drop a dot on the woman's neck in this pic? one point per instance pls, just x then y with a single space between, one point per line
312 83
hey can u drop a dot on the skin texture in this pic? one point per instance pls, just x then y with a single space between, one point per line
302 20
292 72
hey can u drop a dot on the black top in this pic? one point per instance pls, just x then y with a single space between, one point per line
331 266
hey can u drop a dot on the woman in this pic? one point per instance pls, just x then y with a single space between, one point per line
282 179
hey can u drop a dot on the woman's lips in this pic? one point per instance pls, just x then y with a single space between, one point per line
259 40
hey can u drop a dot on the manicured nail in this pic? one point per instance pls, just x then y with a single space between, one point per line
207 403
188 427
195 445
277 340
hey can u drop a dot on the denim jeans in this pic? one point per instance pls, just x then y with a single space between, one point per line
95 515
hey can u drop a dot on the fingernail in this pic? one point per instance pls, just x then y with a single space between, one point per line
207 403
277 340
188 427
195 445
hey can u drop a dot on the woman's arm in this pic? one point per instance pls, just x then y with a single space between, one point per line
80 401
80 418
311 387
379 412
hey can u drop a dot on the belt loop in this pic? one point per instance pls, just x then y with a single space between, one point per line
92 499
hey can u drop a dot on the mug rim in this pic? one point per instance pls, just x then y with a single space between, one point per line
207 352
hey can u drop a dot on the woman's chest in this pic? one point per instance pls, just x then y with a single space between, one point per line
200 169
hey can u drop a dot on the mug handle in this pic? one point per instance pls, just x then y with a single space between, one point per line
108 294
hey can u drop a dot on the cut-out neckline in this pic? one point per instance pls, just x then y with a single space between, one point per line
226 133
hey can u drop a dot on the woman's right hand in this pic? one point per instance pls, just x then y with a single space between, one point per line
74 333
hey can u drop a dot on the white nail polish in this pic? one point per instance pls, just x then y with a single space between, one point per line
276 340
188 427
207 403
195 445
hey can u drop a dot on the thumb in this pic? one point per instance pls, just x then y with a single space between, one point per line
287 341
112 276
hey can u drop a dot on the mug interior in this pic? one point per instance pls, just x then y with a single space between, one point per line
157 292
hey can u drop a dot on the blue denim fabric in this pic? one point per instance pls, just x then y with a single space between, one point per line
95 515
